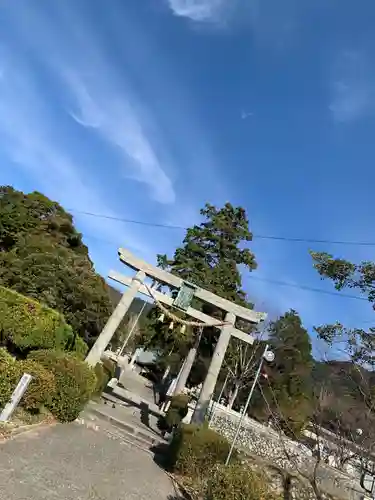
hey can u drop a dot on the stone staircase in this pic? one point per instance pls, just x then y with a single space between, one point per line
135 424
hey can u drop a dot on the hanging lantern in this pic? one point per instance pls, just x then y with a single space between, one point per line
183 329
161 317
171 325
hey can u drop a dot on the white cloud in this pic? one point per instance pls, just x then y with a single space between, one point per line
352 87
200 10
100 96
116 121
30 140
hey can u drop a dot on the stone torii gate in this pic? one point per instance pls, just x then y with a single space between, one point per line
137 285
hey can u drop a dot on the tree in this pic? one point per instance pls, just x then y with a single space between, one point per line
210 257
359 343
211 253
358 346
42 256
240 364
288 383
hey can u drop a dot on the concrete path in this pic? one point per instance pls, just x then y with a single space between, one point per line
72 462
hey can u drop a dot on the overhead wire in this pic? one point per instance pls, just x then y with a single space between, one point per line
255 235
257 278
269 280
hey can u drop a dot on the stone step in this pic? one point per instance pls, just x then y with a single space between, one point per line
92 421
134 433
130 397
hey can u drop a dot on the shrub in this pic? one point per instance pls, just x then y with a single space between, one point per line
177 411
28 325
109 366
9 376
41 387
195 449
76 344
75 382
237 482
103 376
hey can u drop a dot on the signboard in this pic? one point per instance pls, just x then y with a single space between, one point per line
184 297
16 397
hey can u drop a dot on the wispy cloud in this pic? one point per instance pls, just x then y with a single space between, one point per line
116 121
246 114
32 143
98 93
200 10
352 87
79 114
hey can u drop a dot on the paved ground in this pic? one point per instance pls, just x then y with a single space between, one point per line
138 384
71 462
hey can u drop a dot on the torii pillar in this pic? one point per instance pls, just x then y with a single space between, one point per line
97 350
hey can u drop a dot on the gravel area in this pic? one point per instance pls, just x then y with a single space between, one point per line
72 462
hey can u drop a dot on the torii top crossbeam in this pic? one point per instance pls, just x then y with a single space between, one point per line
167 278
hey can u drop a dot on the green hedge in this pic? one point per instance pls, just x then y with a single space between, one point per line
103 376
27 325
75 382
9 376
177 411
109 366
238 482
41 387
195 449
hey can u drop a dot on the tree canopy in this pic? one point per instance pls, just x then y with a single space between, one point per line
212 252
351 380
210 256
359 342
42 256
286 390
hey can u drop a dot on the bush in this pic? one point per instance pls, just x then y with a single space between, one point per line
41 387
109 366
28 325
76 344
195 449
177 411
103 376
237 482
9 376
75 383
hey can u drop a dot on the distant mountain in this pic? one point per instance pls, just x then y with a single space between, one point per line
136 306
344 388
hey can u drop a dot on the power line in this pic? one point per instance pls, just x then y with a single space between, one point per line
255 235
307 288
269 280
128 221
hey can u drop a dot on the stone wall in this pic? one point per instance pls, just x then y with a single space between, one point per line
283 454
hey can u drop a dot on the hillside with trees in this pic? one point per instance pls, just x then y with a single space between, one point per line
42 256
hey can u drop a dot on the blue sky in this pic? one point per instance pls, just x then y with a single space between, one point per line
148 109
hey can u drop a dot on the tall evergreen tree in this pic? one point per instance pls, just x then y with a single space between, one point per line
288 387
212 251
210 257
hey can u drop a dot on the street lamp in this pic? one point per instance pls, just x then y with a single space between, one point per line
268 356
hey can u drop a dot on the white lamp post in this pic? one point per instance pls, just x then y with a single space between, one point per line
268 356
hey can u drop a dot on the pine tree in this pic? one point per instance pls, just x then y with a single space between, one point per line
289 377
212 252
209 257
